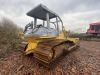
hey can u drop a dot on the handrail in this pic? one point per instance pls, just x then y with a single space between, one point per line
63 28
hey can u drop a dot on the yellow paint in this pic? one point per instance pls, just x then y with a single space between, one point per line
31 47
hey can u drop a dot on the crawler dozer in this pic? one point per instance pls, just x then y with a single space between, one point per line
47 41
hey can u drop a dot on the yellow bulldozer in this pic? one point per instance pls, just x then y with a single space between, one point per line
48 40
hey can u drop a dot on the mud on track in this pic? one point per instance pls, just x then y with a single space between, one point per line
83 61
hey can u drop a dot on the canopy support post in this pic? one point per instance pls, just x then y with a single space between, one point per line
43 23
48 20
57 26
35 22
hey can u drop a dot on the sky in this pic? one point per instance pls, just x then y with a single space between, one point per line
76 14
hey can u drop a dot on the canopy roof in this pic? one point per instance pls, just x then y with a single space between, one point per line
40 11
97 23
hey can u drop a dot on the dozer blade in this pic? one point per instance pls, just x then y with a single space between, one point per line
48 51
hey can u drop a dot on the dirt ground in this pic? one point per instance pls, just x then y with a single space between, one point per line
83 61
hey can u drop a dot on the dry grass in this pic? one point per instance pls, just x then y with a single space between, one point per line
9 38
